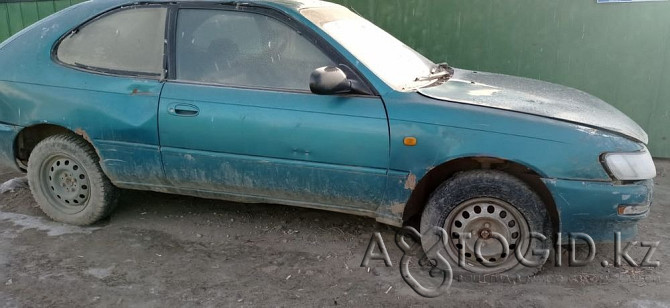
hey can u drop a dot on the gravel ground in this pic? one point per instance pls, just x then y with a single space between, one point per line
159 250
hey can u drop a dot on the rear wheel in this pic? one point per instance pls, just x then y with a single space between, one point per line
67 182
487 217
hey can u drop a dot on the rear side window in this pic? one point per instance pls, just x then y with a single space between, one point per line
130 41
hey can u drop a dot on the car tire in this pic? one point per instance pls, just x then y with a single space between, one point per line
67 182
478 204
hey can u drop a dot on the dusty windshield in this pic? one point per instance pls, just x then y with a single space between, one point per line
391 60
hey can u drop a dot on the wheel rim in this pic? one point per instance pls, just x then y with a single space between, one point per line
65 183
483 219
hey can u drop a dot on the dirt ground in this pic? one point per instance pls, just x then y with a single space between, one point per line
159 250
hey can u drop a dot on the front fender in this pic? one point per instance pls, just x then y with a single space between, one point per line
447 131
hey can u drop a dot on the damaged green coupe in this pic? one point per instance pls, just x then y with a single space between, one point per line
305 103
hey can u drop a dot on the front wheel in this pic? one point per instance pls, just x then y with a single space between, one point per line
488 218
67 182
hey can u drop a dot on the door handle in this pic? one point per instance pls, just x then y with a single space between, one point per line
184 110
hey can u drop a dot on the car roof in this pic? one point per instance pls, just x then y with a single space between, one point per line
287 4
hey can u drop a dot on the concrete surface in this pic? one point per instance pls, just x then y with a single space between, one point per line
161 250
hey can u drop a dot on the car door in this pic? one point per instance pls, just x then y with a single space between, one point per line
238 117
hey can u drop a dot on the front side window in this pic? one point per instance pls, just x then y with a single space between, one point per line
128 41
243 49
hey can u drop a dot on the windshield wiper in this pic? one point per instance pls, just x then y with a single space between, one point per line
440 72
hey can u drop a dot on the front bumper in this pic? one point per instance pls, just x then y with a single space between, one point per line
7 136
593 207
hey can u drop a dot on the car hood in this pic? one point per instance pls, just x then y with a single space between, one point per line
534 97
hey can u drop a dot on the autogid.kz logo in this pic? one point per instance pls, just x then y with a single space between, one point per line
409 241
435 251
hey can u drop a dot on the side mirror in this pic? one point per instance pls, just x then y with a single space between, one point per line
329 80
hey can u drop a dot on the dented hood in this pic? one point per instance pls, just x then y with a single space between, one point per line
534 97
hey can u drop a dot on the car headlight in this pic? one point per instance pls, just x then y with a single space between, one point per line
630 166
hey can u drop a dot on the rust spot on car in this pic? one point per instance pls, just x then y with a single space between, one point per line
410 183
138 92
398 208
83 134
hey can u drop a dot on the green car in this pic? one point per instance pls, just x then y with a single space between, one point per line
305 103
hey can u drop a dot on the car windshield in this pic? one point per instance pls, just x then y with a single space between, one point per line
395 63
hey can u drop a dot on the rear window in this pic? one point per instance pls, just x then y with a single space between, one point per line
129 41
